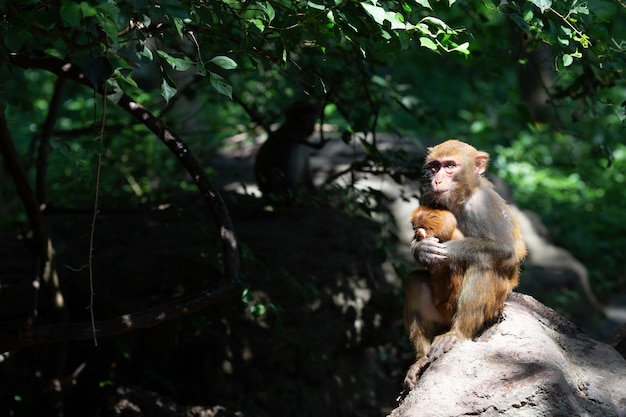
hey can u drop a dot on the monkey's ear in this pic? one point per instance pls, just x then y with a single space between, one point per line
481 162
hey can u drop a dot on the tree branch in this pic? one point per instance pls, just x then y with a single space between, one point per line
22 186
13 338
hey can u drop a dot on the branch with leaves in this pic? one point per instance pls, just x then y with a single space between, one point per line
13 337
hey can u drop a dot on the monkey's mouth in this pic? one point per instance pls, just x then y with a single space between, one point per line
440 192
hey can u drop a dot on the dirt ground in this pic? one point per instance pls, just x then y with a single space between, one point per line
318 332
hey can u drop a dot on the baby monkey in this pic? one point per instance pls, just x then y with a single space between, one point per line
428 222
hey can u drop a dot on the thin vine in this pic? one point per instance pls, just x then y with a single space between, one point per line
92 232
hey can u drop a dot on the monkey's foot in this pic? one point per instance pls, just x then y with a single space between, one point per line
415 371
442 344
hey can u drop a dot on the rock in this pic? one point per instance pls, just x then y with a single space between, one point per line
533 363
136 402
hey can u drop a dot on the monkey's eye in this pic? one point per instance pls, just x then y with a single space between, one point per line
448 166
433 166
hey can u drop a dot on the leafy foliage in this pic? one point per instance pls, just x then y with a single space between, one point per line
419 69
265 54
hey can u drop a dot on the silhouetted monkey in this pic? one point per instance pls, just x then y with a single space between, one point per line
282 164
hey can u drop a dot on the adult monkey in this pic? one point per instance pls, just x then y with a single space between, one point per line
281 166
478 271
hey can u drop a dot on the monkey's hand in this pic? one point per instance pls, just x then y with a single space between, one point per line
429 251
420 233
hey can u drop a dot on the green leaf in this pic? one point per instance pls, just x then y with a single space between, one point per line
179 64
110 9
528 15
224 62
268 10
462 48
424 3
86 10
14 40
436 22
167 91
220 85
127 78
258 310
567 60
315 6
178 24
376 12
259 24
563 41
70 12
584 40
397 20
144 53
331 17
200 68
146 21
543 5
428 43
108 26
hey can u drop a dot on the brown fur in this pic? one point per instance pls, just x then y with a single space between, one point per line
445 284
468 279
429 222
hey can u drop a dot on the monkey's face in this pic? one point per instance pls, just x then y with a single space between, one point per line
453 169
442 174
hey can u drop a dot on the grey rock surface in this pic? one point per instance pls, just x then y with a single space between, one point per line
533 363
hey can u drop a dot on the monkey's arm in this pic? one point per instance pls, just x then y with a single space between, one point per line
481 251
